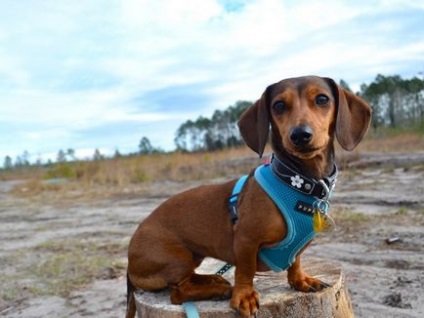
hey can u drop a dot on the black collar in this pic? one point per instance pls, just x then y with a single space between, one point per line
320 189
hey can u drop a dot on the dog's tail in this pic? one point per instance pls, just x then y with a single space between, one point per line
130 299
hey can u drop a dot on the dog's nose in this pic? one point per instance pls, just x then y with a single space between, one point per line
301 135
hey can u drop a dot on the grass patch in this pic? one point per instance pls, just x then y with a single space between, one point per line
63 266
60 266
124 172
402 211
61 170
34 187
10 293
393 140
350 217
64 272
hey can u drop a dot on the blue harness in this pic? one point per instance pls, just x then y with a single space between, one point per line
297 198
300 228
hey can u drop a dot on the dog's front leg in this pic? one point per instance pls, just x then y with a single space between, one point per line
245 298
301 281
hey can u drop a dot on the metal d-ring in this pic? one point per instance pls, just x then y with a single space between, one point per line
323 206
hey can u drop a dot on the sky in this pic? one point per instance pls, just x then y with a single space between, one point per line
101 74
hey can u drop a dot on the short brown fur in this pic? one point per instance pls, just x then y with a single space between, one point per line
173 240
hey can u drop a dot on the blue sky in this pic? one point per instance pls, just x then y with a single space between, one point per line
103 73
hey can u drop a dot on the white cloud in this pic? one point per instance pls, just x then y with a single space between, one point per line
68 68
12 70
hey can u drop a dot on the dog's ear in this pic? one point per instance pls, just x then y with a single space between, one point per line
254 125
353 116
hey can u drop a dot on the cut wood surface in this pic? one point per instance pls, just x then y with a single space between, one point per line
276 300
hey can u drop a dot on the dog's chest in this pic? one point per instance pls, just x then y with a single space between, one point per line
297 211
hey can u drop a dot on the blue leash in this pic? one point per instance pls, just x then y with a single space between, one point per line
191 309
189 306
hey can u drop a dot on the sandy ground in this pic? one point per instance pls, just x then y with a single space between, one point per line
382 199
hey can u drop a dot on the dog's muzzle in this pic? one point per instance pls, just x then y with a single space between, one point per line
301 135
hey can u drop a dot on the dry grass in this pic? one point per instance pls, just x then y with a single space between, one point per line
71 263
127 172
393 141
117 174
60 266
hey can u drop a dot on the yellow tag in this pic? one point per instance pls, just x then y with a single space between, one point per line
319 223
323 222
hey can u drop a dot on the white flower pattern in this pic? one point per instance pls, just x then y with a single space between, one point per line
297 181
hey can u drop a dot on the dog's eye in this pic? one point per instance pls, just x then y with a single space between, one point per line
321 100
279 107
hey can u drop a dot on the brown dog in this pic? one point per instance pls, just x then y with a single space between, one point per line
305 114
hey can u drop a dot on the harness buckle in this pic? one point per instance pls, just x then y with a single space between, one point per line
327 190
232 208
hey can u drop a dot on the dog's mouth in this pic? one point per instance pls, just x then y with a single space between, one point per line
306 149
305 152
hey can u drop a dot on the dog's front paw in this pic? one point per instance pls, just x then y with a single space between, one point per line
245 300
307 284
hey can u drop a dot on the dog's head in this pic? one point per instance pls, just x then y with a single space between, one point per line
304 114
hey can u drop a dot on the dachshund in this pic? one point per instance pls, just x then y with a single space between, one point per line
301 117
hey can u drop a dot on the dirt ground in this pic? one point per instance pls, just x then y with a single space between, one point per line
64 255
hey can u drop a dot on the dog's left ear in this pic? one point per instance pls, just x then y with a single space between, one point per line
353 116
254 125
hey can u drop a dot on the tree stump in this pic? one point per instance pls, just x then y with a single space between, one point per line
276 297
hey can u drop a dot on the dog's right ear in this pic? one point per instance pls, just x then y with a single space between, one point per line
353 116
254 125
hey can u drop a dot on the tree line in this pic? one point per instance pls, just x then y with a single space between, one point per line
396 103
215 133
23 161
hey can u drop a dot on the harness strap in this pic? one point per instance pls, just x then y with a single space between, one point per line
224 269
233 200
189 306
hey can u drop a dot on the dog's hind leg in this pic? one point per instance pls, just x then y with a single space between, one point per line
167 265
200 287
183 282
156 264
